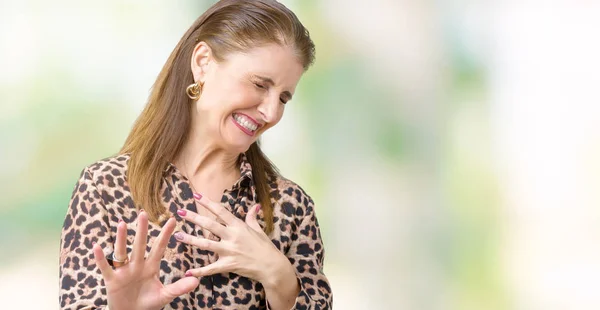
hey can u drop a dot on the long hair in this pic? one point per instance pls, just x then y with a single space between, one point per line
160 131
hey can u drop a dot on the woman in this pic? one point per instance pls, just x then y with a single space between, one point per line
244 236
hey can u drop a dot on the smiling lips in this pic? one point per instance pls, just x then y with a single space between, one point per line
245 123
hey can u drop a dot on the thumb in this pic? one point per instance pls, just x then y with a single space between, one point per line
182 286
251 218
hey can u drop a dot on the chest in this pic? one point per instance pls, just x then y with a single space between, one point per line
219 291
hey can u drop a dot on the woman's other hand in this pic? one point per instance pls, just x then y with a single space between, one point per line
243 248
136 285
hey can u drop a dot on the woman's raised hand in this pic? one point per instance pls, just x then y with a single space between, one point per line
136 285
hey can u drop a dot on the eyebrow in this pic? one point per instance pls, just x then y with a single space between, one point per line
270 81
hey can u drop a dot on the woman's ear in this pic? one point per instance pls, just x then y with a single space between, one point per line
201 57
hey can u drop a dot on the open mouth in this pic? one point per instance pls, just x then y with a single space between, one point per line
245 123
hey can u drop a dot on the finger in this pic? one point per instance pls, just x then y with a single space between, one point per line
101 262
120 250
201 243
214 268
217 209
203 221
180 287
141 238
160 244
251 218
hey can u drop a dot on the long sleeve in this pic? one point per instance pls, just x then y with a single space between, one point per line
307 255
81 284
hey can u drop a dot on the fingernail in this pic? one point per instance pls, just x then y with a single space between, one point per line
93 243
120 221
181 212
178 236
257 208
141 210
188 273
197 196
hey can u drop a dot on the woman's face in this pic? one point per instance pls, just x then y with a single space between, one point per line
245 94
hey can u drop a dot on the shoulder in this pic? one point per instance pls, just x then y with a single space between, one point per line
291 197
106 181
108 168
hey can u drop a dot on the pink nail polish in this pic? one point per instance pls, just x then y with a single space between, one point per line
188 273
197 196
181 212
178 236
257 208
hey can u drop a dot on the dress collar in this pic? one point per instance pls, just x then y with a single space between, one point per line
246 178
245 170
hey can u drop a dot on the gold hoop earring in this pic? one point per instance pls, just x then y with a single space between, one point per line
193 91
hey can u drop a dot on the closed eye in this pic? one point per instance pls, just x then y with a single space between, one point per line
261 86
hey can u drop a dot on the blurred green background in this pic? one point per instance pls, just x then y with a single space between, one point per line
451 146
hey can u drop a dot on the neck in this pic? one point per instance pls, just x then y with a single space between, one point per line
202 159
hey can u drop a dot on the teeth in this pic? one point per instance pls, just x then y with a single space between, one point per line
245 122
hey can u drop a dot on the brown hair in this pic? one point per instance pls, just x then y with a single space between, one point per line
160 131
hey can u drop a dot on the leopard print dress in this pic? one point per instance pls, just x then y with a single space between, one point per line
101 198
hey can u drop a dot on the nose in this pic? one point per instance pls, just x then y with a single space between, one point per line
269 109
